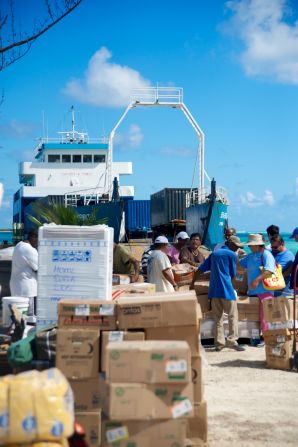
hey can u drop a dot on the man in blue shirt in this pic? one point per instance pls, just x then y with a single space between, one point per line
222 265
259 257
285 258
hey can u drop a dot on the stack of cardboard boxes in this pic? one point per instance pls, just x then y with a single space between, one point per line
147 393
78 356
279 315
138 359
175 316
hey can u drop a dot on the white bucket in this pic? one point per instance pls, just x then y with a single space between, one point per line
21 302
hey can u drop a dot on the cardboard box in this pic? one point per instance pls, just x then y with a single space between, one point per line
190 334
140 401
197 378
278 356
201 287
158 310
78 353
251 316
86 394
149 362
169 433
278 309
123 279
248 308
248 303
277 336
197 427
91 422
135 287
116 336
97 314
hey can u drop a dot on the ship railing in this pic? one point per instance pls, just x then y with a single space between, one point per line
69 140
154 95
76 200
199 196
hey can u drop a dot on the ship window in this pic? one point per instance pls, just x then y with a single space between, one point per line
99 158
77 158
54 158
66 158
87 158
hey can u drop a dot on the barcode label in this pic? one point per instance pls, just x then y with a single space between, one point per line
176 366
106 309
116 434
82 310
116 335
181 409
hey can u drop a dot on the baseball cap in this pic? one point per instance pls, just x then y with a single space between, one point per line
161 240
182 235
235 240
295 232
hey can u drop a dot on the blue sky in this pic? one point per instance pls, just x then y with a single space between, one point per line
237 63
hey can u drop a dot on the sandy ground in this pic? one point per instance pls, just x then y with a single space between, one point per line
249 404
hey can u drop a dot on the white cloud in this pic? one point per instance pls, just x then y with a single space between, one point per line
271 41
131 140
105 83
183 152
250 200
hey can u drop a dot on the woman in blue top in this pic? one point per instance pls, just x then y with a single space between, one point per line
260 257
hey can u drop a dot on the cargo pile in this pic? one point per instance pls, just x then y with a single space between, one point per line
279 337
135 368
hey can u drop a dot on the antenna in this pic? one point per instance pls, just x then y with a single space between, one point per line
43 124
72 122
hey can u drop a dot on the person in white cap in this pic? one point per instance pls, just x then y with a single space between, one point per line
159 267
174 250
259 257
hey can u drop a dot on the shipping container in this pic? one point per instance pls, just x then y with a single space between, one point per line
137 216
167 205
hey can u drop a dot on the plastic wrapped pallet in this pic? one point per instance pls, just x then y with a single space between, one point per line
74 262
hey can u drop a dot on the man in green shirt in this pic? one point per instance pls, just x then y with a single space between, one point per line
124 263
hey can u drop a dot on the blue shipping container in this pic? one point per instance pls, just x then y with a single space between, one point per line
137 215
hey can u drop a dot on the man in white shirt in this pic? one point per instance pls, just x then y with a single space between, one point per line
159 267
23 280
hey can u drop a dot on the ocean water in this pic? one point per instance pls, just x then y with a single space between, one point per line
291 244
5 236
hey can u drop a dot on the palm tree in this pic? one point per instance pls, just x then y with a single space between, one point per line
60 215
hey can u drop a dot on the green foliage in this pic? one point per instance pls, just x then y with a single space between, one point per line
60 215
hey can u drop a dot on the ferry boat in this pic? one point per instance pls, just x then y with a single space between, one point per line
75 170
72 170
